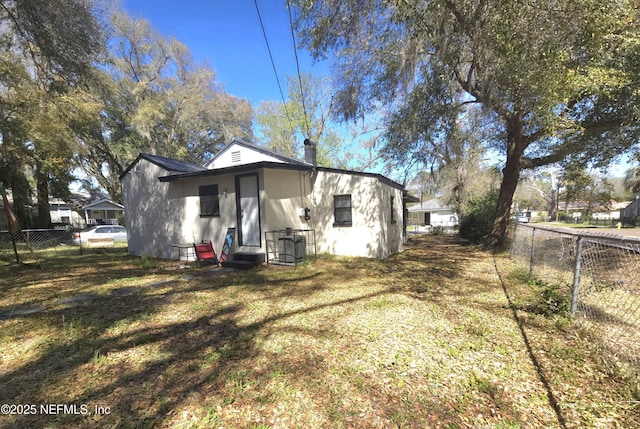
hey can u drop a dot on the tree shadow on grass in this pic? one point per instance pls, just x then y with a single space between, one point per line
173 369
88 325
553 401
436 269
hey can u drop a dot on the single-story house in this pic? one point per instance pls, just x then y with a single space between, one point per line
611 212
432 213
255 190
631 211
61 213
103 212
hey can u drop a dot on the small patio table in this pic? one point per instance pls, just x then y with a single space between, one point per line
185 250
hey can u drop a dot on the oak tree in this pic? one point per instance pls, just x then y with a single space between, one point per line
550 78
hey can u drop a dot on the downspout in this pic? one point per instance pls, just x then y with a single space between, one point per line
310 157
404 218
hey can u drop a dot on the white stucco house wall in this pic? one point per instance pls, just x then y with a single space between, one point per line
432 213
255 190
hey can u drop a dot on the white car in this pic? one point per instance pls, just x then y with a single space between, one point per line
100 234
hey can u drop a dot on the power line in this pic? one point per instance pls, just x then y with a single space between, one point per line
275 71
295 53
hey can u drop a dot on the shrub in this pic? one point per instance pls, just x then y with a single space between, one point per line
146 263
477 220
438 230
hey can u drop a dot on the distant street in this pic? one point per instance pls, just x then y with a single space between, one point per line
627 232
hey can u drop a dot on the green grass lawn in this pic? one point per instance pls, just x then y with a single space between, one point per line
426 338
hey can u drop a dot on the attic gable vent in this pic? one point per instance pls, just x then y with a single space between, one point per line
235 156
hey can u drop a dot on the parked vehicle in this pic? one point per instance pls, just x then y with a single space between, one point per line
101 234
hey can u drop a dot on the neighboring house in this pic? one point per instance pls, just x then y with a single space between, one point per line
632 211
432 213
610 213
103 212
60 211
255 190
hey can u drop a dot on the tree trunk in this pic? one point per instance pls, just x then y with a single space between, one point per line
553 204
510 177
42 189
21 197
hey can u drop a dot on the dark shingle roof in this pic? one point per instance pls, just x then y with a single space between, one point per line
171 164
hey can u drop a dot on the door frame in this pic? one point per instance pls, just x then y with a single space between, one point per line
238 210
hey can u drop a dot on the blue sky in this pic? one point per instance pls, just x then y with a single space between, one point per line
227 35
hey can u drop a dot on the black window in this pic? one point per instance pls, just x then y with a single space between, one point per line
393 210
209 203
342 210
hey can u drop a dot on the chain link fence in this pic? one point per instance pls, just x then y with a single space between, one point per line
29 245
600 274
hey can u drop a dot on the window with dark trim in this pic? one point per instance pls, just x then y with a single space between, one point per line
393 210
342 210
209 202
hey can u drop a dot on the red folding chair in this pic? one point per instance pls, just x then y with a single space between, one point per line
205 252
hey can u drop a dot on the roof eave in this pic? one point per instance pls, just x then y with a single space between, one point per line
234 169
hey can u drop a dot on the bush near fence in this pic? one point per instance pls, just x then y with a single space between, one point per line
600 273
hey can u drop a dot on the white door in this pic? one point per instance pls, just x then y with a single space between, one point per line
248 205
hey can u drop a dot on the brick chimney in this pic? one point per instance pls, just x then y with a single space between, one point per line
310 152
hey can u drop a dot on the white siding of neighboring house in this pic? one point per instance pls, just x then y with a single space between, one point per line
438 218
438 215
66 215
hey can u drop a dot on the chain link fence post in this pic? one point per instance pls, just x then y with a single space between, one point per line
597 276
576 277
532 254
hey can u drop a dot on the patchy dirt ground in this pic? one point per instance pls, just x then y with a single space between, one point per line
444 335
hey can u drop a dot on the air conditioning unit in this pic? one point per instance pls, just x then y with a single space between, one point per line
292 248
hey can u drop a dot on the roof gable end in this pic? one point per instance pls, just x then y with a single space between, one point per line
240 152
104 203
